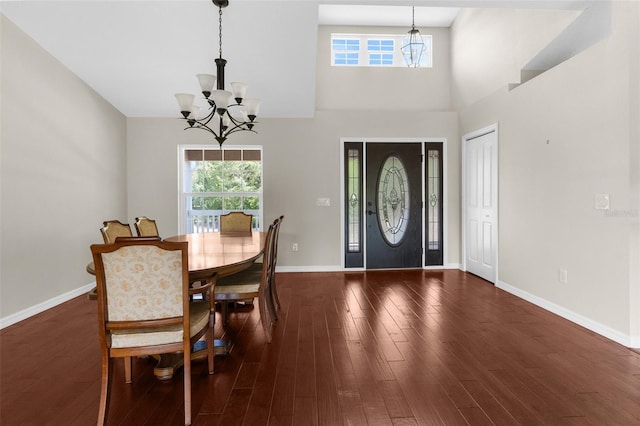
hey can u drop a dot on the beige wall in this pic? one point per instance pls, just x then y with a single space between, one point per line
490 47
62 173
390 89
565 136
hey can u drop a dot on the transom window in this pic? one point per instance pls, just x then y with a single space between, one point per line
374 50
216 181
346 51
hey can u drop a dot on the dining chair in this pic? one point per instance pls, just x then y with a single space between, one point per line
242 286
144 308
112 229
236 222
146 227
257 266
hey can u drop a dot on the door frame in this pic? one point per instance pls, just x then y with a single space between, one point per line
421 141
465 139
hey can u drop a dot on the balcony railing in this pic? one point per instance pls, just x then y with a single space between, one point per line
209 220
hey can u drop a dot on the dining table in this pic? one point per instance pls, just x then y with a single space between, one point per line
222 253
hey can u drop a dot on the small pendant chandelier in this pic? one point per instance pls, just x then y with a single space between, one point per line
224 117
414 49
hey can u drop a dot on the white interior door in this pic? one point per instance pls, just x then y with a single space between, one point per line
481 204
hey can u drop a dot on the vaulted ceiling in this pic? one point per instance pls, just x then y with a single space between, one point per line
137 54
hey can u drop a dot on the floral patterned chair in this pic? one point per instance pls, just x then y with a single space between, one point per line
144 308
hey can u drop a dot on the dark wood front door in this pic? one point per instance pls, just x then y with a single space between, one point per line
394 205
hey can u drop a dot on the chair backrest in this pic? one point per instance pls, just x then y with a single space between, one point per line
146 227
277 224
142 283
113 229
265 301
235 222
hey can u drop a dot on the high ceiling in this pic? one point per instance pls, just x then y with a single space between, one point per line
137 54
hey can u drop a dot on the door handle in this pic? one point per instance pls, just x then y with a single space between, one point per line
370 212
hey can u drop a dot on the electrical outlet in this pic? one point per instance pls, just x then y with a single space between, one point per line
294 247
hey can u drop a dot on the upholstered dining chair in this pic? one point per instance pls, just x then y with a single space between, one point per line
112 229
242 286
144 308
235 222
146 227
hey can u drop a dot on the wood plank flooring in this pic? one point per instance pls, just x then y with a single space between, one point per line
374 348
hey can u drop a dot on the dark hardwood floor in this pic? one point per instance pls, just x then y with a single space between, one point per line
376 348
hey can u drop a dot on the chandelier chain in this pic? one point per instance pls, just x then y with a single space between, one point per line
220 31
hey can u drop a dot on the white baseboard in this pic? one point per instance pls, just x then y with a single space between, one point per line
447 266
596 327
41 307
337 268
328 268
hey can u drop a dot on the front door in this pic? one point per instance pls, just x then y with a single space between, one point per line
393 205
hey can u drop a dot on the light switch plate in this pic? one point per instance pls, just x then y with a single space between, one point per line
323 202
602 202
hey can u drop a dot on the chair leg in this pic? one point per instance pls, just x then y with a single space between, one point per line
127 369
274 292
105 388
210 345
273 315
265 317
187 386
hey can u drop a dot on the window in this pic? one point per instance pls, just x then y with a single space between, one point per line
353 188
380 51
345 51
216 181
374 50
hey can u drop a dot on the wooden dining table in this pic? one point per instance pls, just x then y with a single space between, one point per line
223 253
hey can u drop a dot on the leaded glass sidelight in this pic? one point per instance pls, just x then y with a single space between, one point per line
353 218
433 206
434 190
393 200
354 200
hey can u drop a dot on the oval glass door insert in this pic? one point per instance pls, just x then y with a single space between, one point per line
393 200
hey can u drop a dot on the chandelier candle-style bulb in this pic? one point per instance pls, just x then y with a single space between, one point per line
207 81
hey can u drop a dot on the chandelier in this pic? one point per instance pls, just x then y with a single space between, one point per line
223 117
414 48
